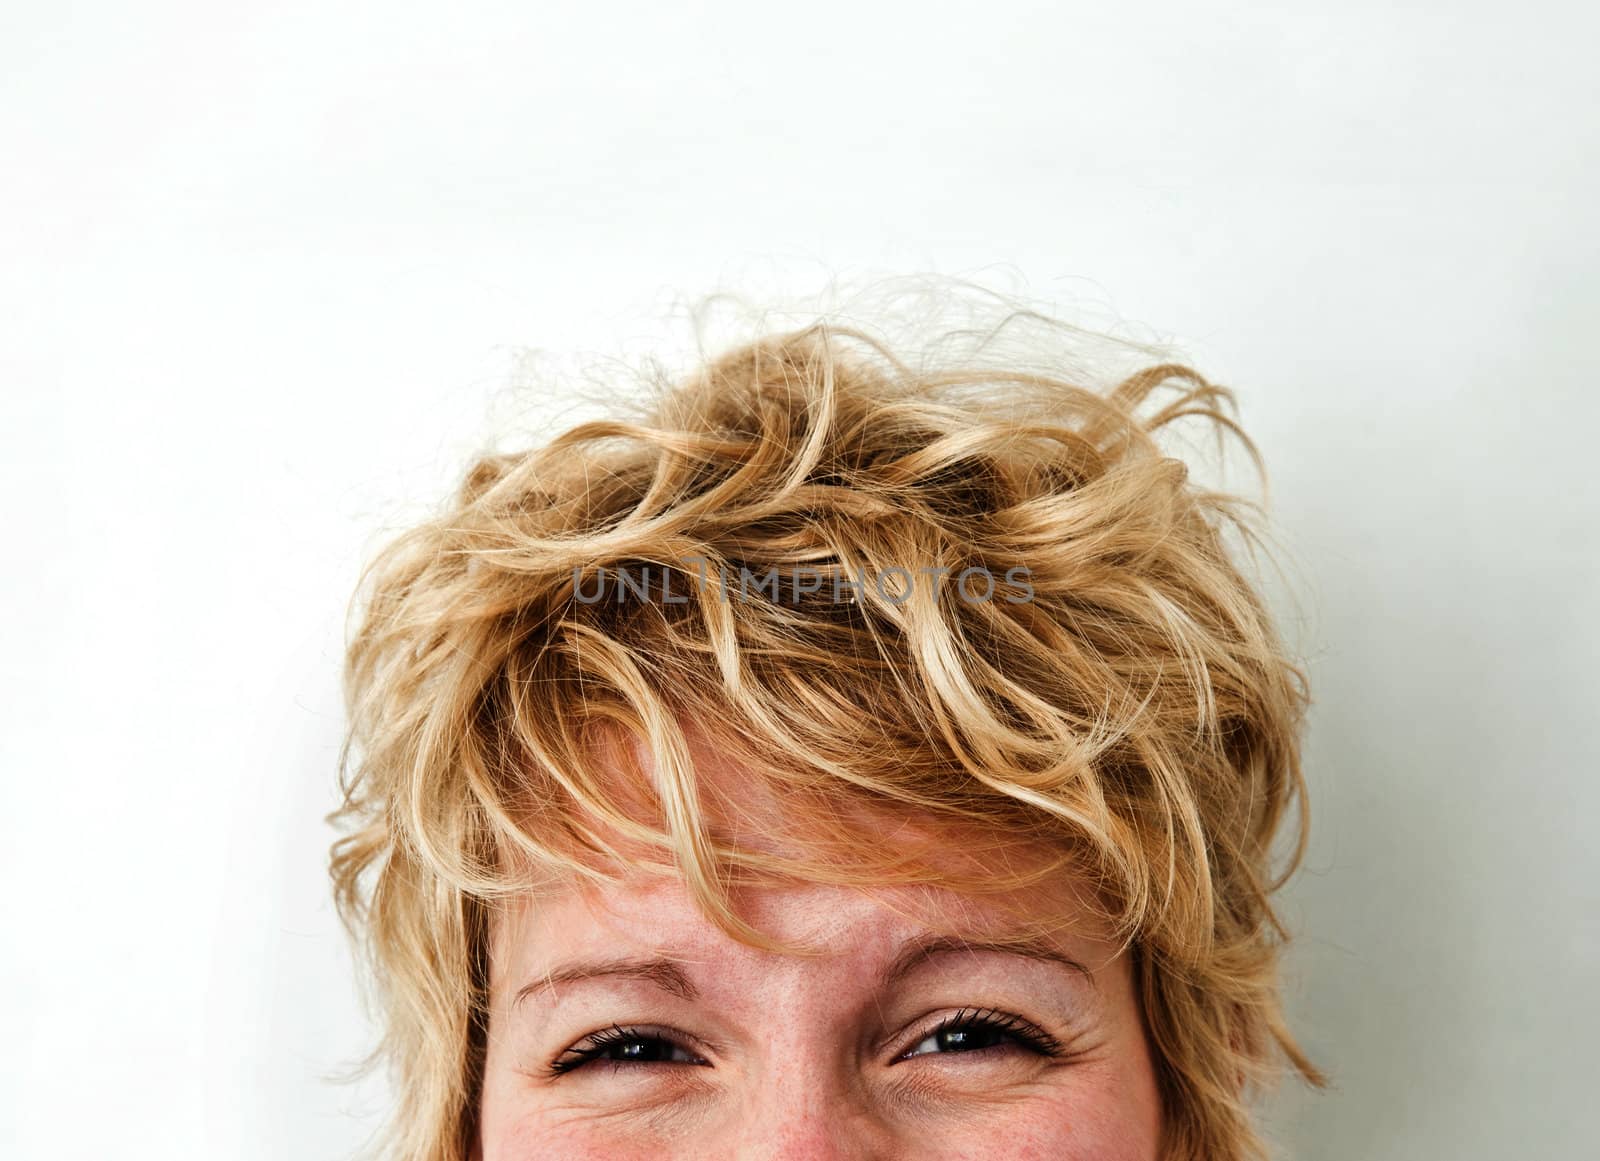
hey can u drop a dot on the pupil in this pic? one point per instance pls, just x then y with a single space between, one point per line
968 1039
646 1050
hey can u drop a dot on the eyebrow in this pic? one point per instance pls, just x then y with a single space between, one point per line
664 973
918 952
669 976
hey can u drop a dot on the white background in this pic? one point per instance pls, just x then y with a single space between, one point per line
264 271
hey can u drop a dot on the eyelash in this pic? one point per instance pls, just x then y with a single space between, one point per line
1025 1033
591 1048
1030 1036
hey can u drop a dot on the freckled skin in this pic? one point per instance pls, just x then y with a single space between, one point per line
804 1057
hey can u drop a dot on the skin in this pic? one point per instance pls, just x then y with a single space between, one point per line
733 1052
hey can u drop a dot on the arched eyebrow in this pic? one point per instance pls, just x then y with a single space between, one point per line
917 952
666 974
669 976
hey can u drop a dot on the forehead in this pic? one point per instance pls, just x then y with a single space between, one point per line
735 797
826 898
808 818
651 916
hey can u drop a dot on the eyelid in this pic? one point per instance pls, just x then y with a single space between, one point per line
588 1049
1028 1034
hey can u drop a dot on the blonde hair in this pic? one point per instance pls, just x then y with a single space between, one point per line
1120 698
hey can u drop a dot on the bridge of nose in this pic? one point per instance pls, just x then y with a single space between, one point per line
811 1109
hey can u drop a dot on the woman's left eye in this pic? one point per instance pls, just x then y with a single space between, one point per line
977 1031
959 1040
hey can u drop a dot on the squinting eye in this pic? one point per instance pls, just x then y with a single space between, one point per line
624 1046
646 1050
960 1040
975 1031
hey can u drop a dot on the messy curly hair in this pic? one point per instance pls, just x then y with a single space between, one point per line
1120 697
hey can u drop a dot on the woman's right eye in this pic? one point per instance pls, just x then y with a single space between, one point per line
624 1046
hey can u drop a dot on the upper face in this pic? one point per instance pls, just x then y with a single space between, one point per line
626 1024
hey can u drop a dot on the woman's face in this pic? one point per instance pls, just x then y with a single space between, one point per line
625 1024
